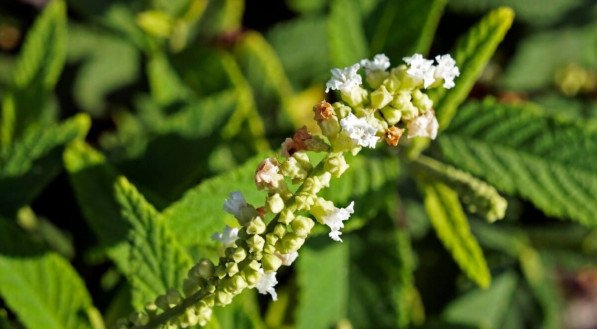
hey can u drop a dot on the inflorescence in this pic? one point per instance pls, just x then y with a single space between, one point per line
384 107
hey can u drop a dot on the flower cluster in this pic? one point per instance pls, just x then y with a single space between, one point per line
375 104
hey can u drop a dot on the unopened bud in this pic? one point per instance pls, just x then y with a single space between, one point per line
290 243
271 263
391 115
274 204
336 165
139 318
301 226
381 97
256 226
255 243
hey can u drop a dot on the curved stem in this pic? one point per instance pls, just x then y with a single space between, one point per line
175 311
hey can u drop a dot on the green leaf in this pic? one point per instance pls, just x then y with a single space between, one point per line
486 309
472 53
29 164
44 52
45 292
165 84
107 64
346 37
406 27
200 212
222 16
451 226
38 68
92 179
322 267
42 289
523 152
158 261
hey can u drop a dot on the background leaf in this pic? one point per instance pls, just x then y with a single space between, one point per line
451 226
158 261
522 151
346 37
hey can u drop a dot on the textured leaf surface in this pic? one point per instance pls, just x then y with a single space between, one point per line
42 289
158 261
30 163
346 37
522 151
317 309
472 53
406 27
200 212
484 308
451 225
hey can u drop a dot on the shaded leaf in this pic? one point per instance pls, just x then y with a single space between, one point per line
346 37
316 309
29 164
522 151
158 261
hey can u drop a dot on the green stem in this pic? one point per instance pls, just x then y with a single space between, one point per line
175 311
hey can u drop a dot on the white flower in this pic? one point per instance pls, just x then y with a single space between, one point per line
335 220
235 203
227 237
425 125
344 79
360 130
267 174
267 282
421 69
288 259
446 69
380 62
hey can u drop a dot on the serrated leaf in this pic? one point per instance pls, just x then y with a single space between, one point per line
30 163
200 213
472 53
346 37
44 51
451 225
403 28
92 179
322 267
522 151
484 308
158 261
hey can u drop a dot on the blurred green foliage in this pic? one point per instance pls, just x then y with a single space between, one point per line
185 97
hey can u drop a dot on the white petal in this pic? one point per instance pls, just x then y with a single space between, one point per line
344 79
267 282
360 130
380 62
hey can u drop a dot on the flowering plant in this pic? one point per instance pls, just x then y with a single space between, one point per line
191 163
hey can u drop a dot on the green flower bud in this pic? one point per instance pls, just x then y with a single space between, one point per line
409 112
329 127
231 268
402 98
422 101
304 201
391 115
255 243
239 255
271 263
190 318
343 143
208 301
173 297
336 164
286 216
290 243
151 308
139 318
392 82
292 169
162 302
342 110
280 230
237 283
322 208
274 204
301 226
381 97
191 285
256 226
204 315
246 214
250 275
221 271
269 248
204 269
376 78
223 298
355 97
